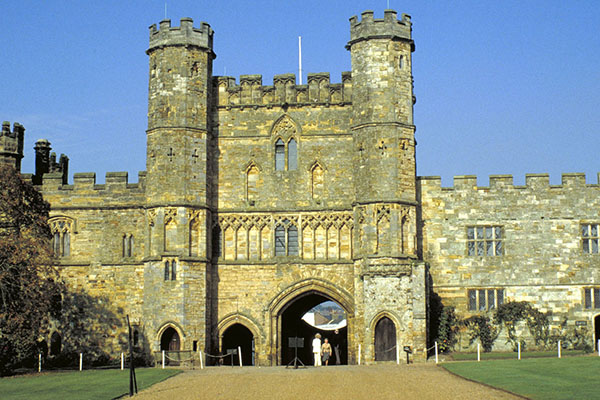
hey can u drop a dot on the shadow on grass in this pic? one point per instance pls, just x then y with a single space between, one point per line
84 385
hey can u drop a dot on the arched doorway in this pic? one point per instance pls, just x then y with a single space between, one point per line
169 340
237 335
293 325
385 340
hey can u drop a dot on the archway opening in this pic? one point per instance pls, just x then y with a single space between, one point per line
169 341
236 336
294 324
385 340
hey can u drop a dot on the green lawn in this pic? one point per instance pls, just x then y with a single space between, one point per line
511 355
98 384
537 378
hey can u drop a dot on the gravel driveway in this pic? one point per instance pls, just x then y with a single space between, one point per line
388 381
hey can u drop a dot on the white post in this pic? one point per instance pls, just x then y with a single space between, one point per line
240 355
598 347
436 353
519 349
359 354
478 352
559 349
201 361
163 359
81 361
398 353
40 362
122 362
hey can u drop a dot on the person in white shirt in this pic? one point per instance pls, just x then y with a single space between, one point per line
316 345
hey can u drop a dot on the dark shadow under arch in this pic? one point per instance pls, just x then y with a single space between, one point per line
237 335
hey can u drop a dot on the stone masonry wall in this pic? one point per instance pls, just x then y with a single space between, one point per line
542 261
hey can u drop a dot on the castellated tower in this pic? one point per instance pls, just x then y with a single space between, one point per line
176 192
11 145
385 173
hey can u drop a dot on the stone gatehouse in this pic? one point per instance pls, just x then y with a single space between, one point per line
260 201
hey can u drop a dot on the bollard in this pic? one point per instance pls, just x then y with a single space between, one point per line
40 362
519 350
359 354
398 353
163 359
122 362
81 361
436 353
240 355
598 347
559 349
478 352
201 361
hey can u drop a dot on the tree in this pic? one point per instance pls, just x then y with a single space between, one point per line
29 284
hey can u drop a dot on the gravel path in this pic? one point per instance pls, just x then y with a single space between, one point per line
388 381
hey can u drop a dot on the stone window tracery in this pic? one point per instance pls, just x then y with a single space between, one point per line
286 144
61 228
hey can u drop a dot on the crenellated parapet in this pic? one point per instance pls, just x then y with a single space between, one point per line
183 35
390 27
318 91
116 189
11 144
505 182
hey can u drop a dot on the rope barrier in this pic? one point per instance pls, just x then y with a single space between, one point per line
390 349
223 356
179 360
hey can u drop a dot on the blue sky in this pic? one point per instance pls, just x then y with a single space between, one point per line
503 87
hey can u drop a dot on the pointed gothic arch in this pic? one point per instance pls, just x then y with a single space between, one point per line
253 181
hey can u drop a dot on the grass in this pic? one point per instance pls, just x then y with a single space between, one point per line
537 378
512 355
80 385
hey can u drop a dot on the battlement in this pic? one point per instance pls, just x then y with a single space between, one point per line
390 27
183 35
505 182
250 92
11 144
86 181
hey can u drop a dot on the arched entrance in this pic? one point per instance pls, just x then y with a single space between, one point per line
385 340
169 340
237 335
292 325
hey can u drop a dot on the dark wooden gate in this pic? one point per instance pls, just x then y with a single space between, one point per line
385 340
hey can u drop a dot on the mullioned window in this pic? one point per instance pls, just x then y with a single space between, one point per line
485 241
